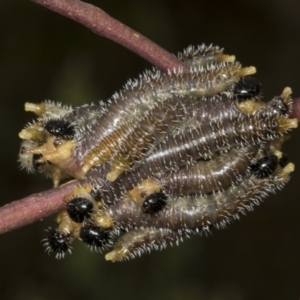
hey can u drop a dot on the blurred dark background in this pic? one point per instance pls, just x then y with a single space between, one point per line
46 56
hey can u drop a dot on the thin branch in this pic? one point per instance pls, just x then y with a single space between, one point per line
35 207
296 109
102 24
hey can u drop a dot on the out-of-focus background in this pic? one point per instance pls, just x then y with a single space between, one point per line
46 56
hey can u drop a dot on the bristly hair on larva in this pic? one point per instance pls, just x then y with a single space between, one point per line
168 155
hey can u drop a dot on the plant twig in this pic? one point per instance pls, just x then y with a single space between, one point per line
33 208
102 24
295 113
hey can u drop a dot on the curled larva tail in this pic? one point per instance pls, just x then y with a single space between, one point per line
203 55
137 242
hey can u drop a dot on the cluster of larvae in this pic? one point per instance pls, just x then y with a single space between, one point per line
169 155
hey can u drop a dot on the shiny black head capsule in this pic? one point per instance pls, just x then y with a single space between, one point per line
154 203
80 209
247 88
95 236
57 243
61 128
265 166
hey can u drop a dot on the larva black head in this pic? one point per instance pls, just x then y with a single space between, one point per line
265 166
60 128
57 243
95 236
154 203
247 88
80 209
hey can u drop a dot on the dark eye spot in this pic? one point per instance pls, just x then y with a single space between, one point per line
80 209
247 88
95 236
61 128
265 166
154 203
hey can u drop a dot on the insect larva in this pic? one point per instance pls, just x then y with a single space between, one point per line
132 142
203 178
209 176
188 214
191 145
185 143
203 55
134 243
201 211
153 87
177 219
161 87
202 141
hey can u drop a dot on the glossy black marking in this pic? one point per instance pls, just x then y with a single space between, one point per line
154 203
95 236
80 209
265 166
247 88
57 243
60 128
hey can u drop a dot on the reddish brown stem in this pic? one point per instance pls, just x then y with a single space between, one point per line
296 109
102 24
35 207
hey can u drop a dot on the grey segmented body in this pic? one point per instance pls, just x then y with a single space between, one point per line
184 215
204 178
201 142
208 177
